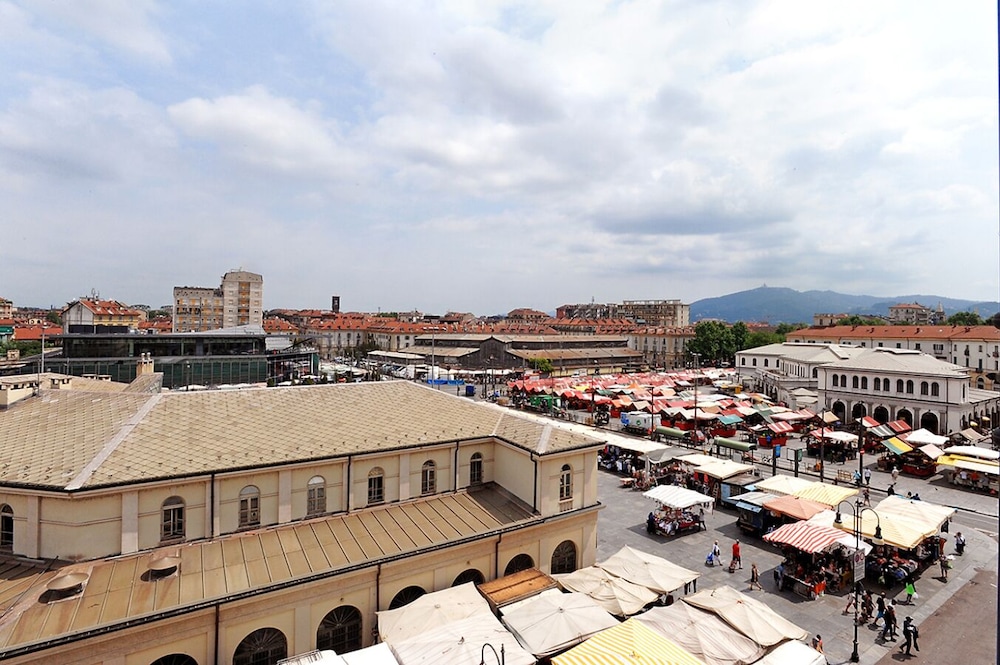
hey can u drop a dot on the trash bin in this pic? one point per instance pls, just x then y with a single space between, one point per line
470 391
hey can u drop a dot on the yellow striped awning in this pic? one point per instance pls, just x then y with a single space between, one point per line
897 446
629 642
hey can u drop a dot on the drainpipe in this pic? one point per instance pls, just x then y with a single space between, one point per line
211 507
534 499
215 655
455 482
496 557
347 496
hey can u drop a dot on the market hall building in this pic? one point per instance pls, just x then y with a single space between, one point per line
148 528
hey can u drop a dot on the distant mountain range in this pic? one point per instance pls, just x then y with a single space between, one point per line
781 305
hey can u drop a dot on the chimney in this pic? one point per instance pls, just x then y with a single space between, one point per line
145 365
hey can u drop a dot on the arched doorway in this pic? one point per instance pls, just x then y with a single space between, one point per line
340 630
859 411
264 646
406 596
905 416
929 421
881 414
175 659
519 563
839 410
470 575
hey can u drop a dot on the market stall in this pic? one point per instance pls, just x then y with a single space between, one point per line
782 485
680 510
793 508
828 495
972 472
834 445
752 515
816 559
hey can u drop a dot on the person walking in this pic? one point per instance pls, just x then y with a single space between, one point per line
867 607
910 634
911 590
716 554
890 490
818 643
866 495
880 609
754 577
895 475
959 543
889 632
868 476
945 565
737 559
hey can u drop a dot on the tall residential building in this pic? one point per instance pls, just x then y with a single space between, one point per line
237 302
669 313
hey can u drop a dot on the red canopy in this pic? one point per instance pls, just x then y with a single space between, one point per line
805 536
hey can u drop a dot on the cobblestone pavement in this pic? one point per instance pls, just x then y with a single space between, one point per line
622 522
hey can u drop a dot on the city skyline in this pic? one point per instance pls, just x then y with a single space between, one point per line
499 155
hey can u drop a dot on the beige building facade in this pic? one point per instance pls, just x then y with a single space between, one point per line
239 301
223 526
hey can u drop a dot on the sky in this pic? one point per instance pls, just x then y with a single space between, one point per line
484 156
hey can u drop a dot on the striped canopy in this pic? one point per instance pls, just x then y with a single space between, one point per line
805 536
629 642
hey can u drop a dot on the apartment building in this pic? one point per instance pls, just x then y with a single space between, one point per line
661 346
238 301
146 528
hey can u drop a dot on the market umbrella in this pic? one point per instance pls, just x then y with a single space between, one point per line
749 616
555 622
461 643
616 595
793 652
793 506
648 570
703 634
430 611
629 642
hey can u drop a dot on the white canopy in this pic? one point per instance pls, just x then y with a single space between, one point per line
748 615
461 643
834 435
616 595
550 623
793 652
376 654
702 633
929 514
430 611
782 485
723 468
677 497
973 451
923 436
648 570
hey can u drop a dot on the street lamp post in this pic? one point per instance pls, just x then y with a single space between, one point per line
858 509
499 657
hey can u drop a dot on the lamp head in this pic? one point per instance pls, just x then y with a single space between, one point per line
878 535
838 519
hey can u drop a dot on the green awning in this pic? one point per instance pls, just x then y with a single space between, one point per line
670 432
742 446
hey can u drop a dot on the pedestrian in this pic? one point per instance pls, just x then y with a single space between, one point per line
868 476
818 643
867 607
651 523
889 631
754 577
910 634
716 554
911 592
895 475
867 497
959 543
737 559
779 575
852 601
945 565
880 608
890 490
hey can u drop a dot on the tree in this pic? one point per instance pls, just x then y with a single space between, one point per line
53 317
785 328
740 333
855 320
713 341
543 365
760 338
965 319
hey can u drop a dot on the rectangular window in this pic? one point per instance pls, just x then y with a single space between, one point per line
376 492
173 523
316 502
249 511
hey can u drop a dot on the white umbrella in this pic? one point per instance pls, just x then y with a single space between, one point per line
749 616
552 623
430 611
617 596
648 570
703 634
461 643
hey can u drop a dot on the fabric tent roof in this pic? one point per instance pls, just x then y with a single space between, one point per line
697 459
782 485
752 501
929 514
896 445
833 435
922 436
973 451
896 530
824 493
430 611
665 454
797 507
793 652
931 451
550 623
629 642
748 615
460 643
969 464
376 654
702 633
648 570
616 595
805 536
677 497
723 468
643 446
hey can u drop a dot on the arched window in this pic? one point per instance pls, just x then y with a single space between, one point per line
899 386
909 387
836 381
175 659
476 469
843 380
340 630
925 388
406 596
815 373
428 478
250 507
470 575
878 383
765 362
172 519
564 557
566 483
854 382
743 361
935 391
6 527
864 383
264 646
519 563
316 496
376 487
